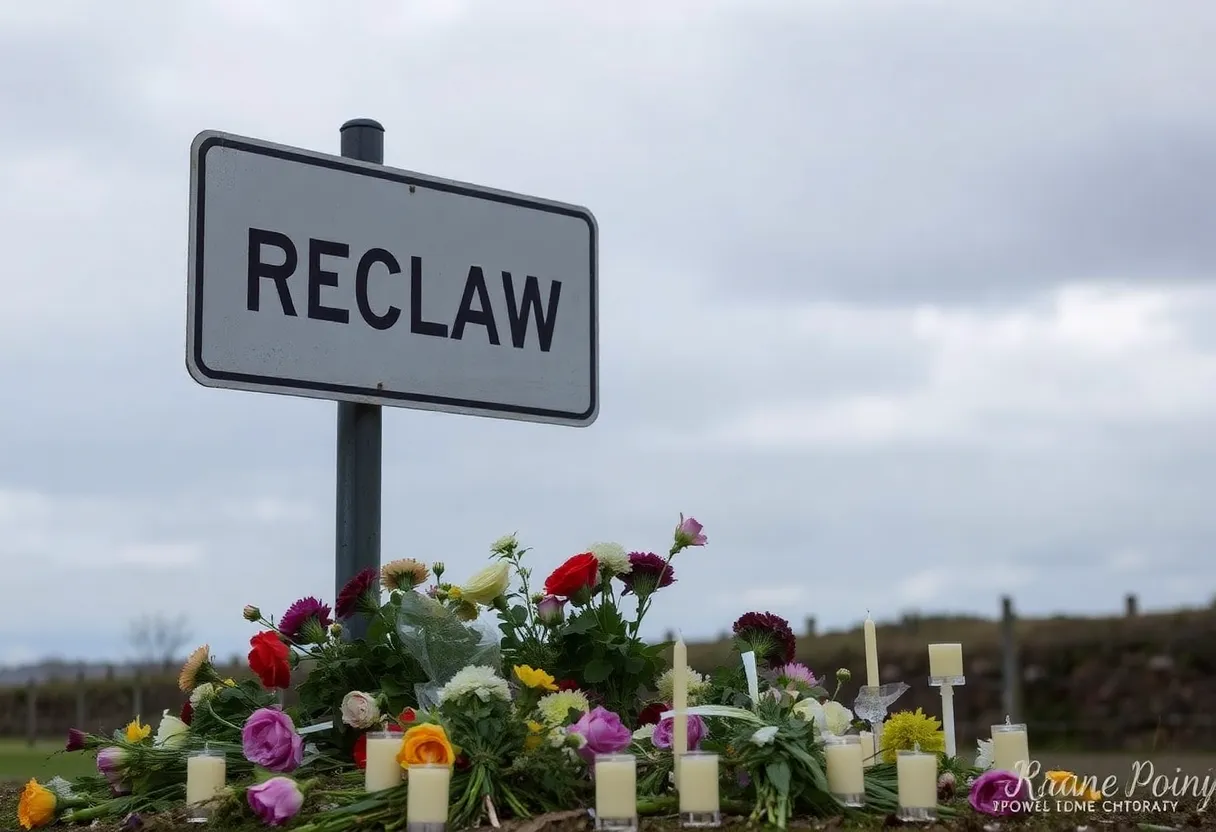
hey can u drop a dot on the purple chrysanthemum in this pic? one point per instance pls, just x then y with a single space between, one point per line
795 672
306 620
647 572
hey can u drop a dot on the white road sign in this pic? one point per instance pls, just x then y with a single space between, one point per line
315 275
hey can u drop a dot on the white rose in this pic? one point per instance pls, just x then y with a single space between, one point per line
836 718
646 732
359 710
171 732
811 711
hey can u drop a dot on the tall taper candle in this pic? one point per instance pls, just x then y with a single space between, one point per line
679 703
871 652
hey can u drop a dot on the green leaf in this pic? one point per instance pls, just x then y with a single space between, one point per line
633 664
584 622
597 670
519 614
778 773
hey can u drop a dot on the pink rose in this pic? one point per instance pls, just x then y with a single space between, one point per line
665 731
999 793
276 801
269 739
603 732
689 533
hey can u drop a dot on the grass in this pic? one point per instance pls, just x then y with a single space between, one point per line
20 762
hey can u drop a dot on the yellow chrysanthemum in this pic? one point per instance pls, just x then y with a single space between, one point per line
405 573
535 735
1065 784
906 730
36 807
555 708
534 678
136 731
196 670
454 593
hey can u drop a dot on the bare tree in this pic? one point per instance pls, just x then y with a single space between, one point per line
159 639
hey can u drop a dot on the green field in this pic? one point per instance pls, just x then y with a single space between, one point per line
18 761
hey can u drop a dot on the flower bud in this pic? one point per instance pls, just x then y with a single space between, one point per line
335 630
550 610
252 613
437 569
945 786
843 675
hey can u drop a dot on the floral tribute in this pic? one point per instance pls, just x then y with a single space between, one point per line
515 679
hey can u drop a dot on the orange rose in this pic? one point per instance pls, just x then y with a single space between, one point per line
426 744
36 806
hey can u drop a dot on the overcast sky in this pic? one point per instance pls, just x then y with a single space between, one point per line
910 303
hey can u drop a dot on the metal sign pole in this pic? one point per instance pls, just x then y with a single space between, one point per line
359 435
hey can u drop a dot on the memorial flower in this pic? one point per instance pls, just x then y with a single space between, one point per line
403 574
359 710
688 533
275 801
424 744
611 558
136 731
768 636
483 682
488 584
555 708
268 658
905 730
1065 784
360 595
665 730
37 806
647 573
575 578
305 621
998 793
197 669
532 678
269 739
603 731
171 733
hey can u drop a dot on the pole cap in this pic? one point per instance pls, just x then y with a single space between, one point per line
369 123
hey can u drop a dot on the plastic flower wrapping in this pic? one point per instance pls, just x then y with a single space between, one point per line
442 644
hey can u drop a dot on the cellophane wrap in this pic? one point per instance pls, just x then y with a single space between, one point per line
442 644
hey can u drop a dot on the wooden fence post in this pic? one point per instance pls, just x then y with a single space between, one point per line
1132 605
31 712
80 699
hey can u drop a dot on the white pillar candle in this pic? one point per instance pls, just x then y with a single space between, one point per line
427 794
867 748
616 789
917 775
846 775
1010 748
206 776
871 652
679 703
383 771
699 783
945 661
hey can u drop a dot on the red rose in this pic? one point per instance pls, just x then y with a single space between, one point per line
652 714
360 751
268 659
406 717
568 684
578 573
187 712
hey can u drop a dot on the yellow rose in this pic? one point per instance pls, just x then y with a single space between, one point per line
1065 784
487 584
533 678
135 732
36 807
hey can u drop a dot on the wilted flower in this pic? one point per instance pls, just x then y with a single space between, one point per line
945 787
405 573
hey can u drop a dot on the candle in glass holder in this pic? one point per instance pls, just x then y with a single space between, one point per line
945 661
616 792
1010 748
426 800
917 777
846 775
699 800
382 771
867 748
206 775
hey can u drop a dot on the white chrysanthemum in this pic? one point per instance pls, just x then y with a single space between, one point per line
983 754
612 557
479 680
646 732
555 707
202 693
506 543
698 686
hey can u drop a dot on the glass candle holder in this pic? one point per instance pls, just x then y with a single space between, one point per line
382 770
868 756
427 796
1011 748
917 775
946 665
616 792
700 805
206 777
846 770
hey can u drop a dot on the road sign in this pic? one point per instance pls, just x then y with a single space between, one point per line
320 276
